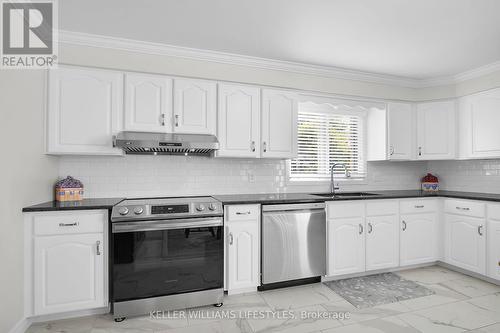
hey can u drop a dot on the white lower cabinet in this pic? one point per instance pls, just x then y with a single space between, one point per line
66 262
493 242
242 225
346 246
465 242
68 273
418 237
382 242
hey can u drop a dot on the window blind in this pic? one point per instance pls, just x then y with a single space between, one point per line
325 138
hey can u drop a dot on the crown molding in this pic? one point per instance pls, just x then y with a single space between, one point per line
124 44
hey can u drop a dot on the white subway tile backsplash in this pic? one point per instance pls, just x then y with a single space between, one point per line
143 176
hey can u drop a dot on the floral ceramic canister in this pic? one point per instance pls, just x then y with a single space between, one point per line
430 183
69 189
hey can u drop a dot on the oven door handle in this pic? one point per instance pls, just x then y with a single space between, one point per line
119 227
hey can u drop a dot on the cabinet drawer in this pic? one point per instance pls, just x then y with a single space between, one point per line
242 212
378 208
70 222
418 206
345 209
494 211
465 207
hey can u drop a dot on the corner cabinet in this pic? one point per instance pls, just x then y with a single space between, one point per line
195 106
242 235
436 130
84 111
493 242
239 121
478 119
279 124
148 103
66 262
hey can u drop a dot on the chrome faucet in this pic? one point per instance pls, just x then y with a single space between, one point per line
332 183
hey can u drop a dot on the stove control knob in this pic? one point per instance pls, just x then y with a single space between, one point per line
200 207
138 210
123 211
212 206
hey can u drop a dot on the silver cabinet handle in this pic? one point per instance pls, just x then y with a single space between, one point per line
264 146
462 208
480 230
74 224
370 228
360 228
419 206
391 150
404 226
176 120
98 248
243 213
252 145
162 119
231 238
419 151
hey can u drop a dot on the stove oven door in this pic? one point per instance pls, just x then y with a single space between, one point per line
159 258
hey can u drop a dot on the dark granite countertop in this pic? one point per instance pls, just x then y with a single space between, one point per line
276 198
85 204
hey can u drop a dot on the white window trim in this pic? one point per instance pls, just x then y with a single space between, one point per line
360 109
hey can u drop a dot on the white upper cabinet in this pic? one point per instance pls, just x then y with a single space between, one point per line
238 121
148 103
279 124
85 109
478 119
436 130
195 106
401 131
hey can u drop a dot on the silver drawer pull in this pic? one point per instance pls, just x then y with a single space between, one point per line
230 238
243 213
252 146
98 248
480 230
370 228
360 228
74 224
162 119
419 206
462 208
404 226
176 120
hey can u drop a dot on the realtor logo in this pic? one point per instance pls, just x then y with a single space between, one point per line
28 34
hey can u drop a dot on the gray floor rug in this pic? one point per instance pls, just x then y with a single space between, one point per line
378 289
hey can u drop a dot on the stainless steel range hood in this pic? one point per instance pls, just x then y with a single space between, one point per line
166 144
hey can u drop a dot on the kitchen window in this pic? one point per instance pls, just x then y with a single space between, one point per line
328 133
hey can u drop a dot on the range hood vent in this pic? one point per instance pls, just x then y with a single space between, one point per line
145 143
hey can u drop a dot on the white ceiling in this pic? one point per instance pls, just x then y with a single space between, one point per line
419 39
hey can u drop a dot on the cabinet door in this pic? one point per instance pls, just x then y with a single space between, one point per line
238 121
479 116
195 103
68 273
84 111
346 246
279 124
148 103
242 255
401 127
465 242
418 239
436 131
382 242
493 250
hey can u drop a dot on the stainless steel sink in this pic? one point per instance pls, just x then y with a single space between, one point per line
346 194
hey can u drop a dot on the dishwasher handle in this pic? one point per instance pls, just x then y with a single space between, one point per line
293 207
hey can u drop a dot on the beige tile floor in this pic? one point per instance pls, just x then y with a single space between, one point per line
460 303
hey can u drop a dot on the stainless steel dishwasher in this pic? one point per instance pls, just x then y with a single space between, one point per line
294 242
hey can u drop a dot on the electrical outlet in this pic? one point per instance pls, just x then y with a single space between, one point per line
251 176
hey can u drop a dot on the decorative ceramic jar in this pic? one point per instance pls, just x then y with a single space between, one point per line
430 183
69 189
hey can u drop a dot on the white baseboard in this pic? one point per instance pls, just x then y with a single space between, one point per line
466 272
378 271
67 315
21 326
